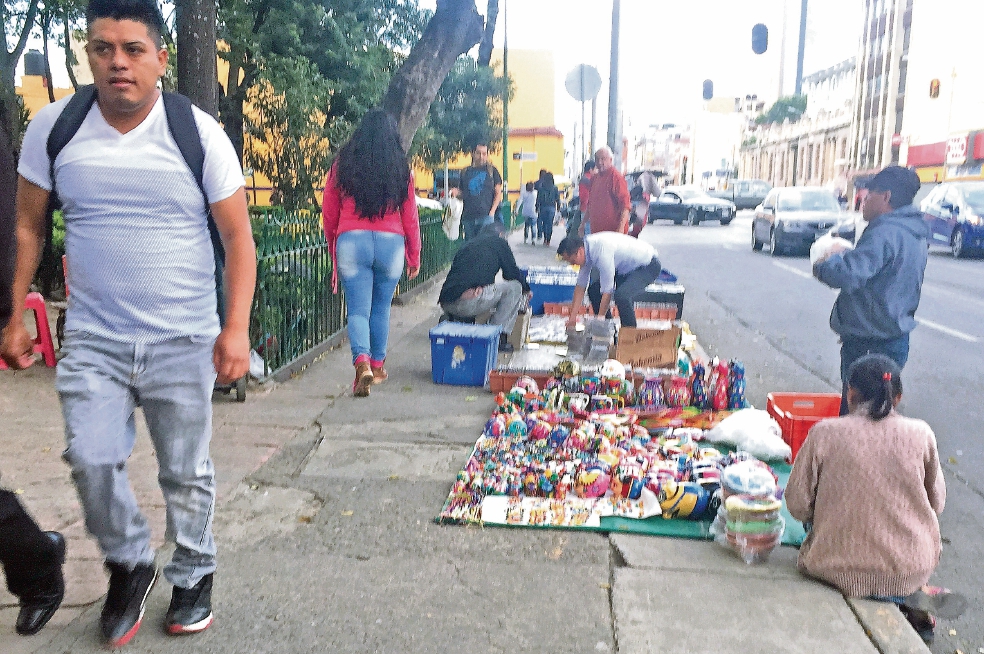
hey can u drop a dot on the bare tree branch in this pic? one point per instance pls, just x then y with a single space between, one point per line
485 47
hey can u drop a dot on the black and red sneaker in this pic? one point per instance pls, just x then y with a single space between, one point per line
191 608
125 603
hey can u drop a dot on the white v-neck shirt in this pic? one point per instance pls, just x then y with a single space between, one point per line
140 260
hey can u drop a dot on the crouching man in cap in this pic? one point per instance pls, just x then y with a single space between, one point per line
880 280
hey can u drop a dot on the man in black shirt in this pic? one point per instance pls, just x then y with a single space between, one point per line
481 192
31 559
470 288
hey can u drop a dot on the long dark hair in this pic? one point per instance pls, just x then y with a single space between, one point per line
878 380
372 166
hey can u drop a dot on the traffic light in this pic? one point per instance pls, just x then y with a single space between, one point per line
708 89
760 38
934 88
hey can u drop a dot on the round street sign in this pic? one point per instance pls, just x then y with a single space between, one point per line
583 82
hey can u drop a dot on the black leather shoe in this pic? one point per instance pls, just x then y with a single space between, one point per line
37 606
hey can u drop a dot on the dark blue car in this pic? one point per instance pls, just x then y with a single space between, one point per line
954 212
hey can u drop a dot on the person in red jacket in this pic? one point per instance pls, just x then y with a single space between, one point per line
371 224
608 203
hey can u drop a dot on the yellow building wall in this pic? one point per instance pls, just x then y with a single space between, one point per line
549 156
35 93
532 74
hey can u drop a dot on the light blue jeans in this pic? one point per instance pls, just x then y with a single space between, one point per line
100 383
370 265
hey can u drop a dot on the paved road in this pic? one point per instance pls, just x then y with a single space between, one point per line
770 312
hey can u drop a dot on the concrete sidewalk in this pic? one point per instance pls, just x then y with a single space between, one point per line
327 540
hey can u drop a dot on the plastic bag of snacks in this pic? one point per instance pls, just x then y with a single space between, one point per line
748 520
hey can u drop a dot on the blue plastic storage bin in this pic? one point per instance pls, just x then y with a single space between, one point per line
462 354
550 284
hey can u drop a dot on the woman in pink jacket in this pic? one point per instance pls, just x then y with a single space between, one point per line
869 487
371 224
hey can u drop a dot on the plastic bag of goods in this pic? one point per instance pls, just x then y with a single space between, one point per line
751 478
753 431
753 526
451 223
827 246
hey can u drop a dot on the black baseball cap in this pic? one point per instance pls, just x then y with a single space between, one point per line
902 182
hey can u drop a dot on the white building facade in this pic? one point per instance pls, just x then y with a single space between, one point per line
812 151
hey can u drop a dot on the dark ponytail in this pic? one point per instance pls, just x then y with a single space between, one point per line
878 380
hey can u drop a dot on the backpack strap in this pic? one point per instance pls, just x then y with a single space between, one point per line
184 131
67 125
62 131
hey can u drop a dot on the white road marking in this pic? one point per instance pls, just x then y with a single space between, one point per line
795 271
946 330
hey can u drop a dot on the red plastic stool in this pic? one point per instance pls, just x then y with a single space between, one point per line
42 343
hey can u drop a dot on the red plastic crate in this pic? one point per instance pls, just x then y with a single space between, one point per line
797 412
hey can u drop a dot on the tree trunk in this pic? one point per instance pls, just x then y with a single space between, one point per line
232 103
455 27
485 47
70 59
45 37
198 76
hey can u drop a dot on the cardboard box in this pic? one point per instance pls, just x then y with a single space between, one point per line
648 348
520 330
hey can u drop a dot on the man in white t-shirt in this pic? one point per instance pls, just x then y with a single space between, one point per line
142 327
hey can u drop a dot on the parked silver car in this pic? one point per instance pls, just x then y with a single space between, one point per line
791 219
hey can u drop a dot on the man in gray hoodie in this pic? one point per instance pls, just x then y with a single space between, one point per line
880 280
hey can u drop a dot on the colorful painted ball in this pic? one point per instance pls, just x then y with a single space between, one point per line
683 500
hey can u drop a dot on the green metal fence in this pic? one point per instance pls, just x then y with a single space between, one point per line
436 251
294 308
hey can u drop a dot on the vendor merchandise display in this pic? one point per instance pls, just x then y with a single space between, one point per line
593 445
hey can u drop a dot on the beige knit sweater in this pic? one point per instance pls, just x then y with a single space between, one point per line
873 491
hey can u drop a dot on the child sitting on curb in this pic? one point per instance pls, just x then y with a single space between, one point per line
869 487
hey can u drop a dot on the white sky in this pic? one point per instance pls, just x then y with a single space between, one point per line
668 47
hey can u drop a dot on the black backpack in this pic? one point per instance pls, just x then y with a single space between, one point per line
636 194
184 131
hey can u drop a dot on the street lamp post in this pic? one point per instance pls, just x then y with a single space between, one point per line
505 105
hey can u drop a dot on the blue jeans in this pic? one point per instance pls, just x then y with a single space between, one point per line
473 226
852 349
370 265
100 383
546 219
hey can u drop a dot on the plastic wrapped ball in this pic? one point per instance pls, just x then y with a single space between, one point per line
612 369
495 427
540 431
592 482
528 384
517 428
558 436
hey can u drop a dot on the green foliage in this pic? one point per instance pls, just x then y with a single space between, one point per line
466 111
289 130
790 106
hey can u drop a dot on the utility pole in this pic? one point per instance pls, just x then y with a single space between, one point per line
802 47
614 142
505 106
594 126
